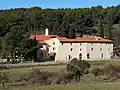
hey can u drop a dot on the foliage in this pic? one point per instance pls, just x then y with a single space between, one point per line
47 78
28 49
76 68
97 71
16 23
112 72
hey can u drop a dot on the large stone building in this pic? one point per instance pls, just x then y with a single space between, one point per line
86 47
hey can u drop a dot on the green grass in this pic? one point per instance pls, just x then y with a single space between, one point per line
78 86
29 69
104 62
88 82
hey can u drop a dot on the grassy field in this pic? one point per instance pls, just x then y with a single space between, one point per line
88 82
29 69
110 86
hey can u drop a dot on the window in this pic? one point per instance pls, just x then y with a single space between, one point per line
101 43
102 55
91 49
108 49
80 49
100 48
62 43
106 43
92 43
80 44
69 57
88 56
70 43
80 56
71 49
53 43
54 48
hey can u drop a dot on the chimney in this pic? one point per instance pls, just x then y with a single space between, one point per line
46 32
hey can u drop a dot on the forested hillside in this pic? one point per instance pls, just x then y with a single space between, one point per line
16 23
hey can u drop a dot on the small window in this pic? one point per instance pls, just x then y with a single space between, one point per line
70 43
101 43
71 49
100 49
106 43
92 43
62 43
102 55
53 43
80 44
88 56
80 56
91 49
80 49
108 49
69 57
54 48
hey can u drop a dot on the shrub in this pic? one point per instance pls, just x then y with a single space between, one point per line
111 72
97 71
48 78
76 68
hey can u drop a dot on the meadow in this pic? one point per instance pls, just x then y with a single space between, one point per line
88 82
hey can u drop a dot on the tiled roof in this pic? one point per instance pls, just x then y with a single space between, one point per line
89 39
41 37
43 43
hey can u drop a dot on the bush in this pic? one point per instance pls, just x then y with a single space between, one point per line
112 72
76 68
47 78
97 71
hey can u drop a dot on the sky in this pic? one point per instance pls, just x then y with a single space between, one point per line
7 4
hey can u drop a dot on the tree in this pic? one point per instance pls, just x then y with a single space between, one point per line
15 23
28 48
110 18
101 25
84 25
11 40
76 68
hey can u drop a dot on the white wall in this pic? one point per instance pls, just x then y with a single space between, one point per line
64 51
44 47
54 43
98 49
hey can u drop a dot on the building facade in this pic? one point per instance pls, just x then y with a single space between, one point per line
86 48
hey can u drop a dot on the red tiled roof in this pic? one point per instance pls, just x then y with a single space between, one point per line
41 37
89 39
43 43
